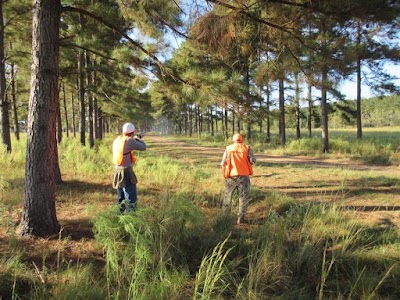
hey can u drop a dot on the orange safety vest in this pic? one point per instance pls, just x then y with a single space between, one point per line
237 161
118 151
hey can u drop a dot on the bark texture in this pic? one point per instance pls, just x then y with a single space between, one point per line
39 212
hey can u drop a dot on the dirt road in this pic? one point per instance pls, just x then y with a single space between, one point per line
371 191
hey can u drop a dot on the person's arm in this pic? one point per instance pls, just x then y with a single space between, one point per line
251 157
135 144
223 161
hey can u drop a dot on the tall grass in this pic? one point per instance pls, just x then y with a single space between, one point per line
146 254
178 245
213 277
307 248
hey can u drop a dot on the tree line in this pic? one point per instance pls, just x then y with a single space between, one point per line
83 68
243 59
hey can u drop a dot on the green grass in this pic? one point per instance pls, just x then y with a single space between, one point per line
178 244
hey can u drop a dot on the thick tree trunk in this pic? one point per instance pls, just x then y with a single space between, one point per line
4 107
39 212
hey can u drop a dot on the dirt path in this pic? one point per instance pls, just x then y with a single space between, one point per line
371 192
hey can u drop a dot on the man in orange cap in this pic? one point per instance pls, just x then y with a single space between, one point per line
237 167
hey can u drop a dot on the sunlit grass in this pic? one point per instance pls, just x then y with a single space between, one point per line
178 244
378 145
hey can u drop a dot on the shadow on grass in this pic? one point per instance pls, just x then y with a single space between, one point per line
371 208
77 230
82 191
286 162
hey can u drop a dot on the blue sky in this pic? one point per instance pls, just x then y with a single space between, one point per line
349 87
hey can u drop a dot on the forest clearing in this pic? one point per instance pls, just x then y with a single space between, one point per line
319 228
290 77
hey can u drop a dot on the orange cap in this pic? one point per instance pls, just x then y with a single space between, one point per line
237 138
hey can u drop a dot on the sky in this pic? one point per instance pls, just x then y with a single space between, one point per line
349 87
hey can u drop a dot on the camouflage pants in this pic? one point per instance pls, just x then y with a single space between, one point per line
242 184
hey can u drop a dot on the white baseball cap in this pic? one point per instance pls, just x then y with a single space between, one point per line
128 128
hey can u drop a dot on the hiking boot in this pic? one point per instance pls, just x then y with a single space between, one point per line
240 221
122 208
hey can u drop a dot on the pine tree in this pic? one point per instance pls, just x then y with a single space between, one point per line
39 213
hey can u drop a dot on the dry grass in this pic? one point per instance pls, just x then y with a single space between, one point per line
368 193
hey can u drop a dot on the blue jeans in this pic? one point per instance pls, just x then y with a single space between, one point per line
129 194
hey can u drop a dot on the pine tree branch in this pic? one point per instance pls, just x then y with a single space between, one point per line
116 29
162 21
136 44
260 20
70 45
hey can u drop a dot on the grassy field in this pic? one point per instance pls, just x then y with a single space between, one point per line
320 226
378 145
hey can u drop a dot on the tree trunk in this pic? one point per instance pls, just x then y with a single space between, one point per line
297 104
196 120
96 109
65 111
359 123
212 121
101 124
233 122
190 114
186 121
39 212
324 112
268 114
14 102
73 115
226 122
260 122
90 98
59 121
4 114
81 95
216 121
310 107
57 170
248 135
282 122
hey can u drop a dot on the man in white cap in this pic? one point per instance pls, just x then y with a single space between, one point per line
124 178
